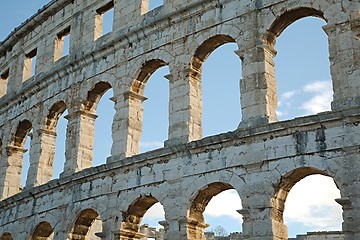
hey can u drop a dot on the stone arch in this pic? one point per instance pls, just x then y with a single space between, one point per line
43 231
199 193
287 18
201 52
84 221
81 120
227 177
94 95
15 150
54 115
281 21
203 197
22 131
143 75
6 236
133 215
283 188
198 203
204 50
134 98
44 137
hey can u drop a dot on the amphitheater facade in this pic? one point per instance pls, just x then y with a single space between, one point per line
261 160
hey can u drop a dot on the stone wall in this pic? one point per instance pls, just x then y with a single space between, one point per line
320 236
262 159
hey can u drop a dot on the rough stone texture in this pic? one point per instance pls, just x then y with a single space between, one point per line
262 160
320 236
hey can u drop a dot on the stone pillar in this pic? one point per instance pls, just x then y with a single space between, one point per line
351 211
79 141
344 50
127 12
177 225
42 152
258 85
43 60
16 72
77 47
183 229
185 108
11 169
261 218
14 82
258 224
127 125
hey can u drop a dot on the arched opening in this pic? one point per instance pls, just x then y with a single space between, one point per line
156 111
222 216
153 114
99 101
150 224
22 142
6 236
103 128
210 202
59 159
304 85
56 124
305 201
26 160
217 70
139 219
88 225
43 231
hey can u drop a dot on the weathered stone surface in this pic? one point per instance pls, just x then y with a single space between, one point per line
262 159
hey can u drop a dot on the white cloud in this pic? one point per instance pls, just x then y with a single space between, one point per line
321 99
155 212
225 204
153 215
287 95
285 103
311 202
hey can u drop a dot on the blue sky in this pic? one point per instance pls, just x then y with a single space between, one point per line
304 87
